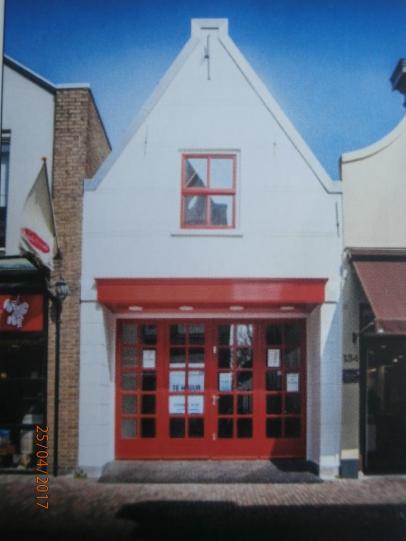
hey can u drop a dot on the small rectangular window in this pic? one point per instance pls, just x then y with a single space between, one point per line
208 191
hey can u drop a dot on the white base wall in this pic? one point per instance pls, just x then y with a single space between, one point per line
97 389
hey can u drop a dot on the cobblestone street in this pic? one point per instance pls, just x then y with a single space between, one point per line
367 509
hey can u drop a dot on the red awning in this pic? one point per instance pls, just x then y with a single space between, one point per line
384 284
207 293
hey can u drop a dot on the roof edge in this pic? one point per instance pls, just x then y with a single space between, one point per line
276 111
93 183
378 146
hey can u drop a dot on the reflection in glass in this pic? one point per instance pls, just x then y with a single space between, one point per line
274 380
128 381
274 403
221 173
148 381
148 403
244 335
128 404
148 428
148 334
244 381
178 357
225 428
244 404
292 427
244 358
225 404
178 334
196 173
128 358
273 428
244 428
221 209
177 428
128 428
224 358
195 209
196 334
196 428
129 333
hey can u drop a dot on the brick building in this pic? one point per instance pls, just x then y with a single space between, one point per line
61 123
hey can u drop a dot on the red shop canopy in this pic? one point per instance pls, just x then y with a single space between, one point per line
384 284
154 294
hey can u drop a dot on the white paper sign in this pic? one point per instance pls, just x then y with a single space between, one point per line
292 383
195 405
148 358
274 358
196 381
176 381
226 382
176 404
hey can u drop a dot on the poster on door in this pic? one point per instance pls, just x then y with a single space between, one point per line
274 358
176 405
196 381
176 381
226 382
292 383
195 405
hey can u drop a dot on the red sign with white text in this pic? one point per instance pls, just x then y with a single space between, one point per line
21 313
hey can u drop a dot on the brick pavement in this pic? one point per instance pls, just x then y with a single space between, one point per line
367 509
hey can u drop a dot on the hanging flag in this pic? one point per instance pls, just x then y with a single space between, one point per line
38 233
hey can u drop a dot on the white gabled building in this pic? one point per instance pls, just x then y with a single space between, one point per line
210 322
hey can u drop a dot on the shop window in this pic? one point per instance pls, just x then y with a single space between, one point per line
208 191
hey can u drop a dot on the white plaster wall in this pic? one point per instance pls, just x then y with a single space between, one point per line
286 222
97 376
28 111
376 175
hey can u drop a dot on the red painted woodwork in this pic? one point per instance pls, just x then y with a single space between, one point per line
208 293
21 313
208 190
210 444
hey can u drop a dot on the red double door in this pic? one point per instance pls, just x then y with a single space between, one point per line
210 389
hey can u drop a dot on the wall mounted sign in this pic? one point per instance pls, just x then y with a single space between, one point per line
21 313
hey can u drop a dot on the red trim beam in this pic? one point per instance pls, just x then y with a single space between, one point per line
208 293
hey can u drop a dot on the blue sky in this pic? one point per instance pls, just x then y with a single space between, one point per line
327 62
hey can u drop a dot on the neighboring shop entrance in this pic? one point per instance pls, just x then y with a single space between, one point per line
205 389
383 425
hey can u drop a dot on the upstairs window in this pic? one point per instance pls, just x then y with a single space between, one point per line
208 191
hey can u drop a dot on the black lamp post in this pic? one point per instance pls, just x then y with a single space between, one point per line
57 298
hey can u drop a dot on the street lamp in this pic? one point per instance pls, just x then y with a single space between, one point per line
57 298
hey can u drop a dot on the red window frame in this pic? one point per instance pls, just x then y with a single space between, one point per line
208 191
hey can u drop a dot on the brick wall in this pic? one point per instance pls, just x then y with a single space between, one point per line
80 146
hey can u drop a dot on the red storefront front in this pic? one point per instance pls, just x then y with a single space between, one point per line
224 376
